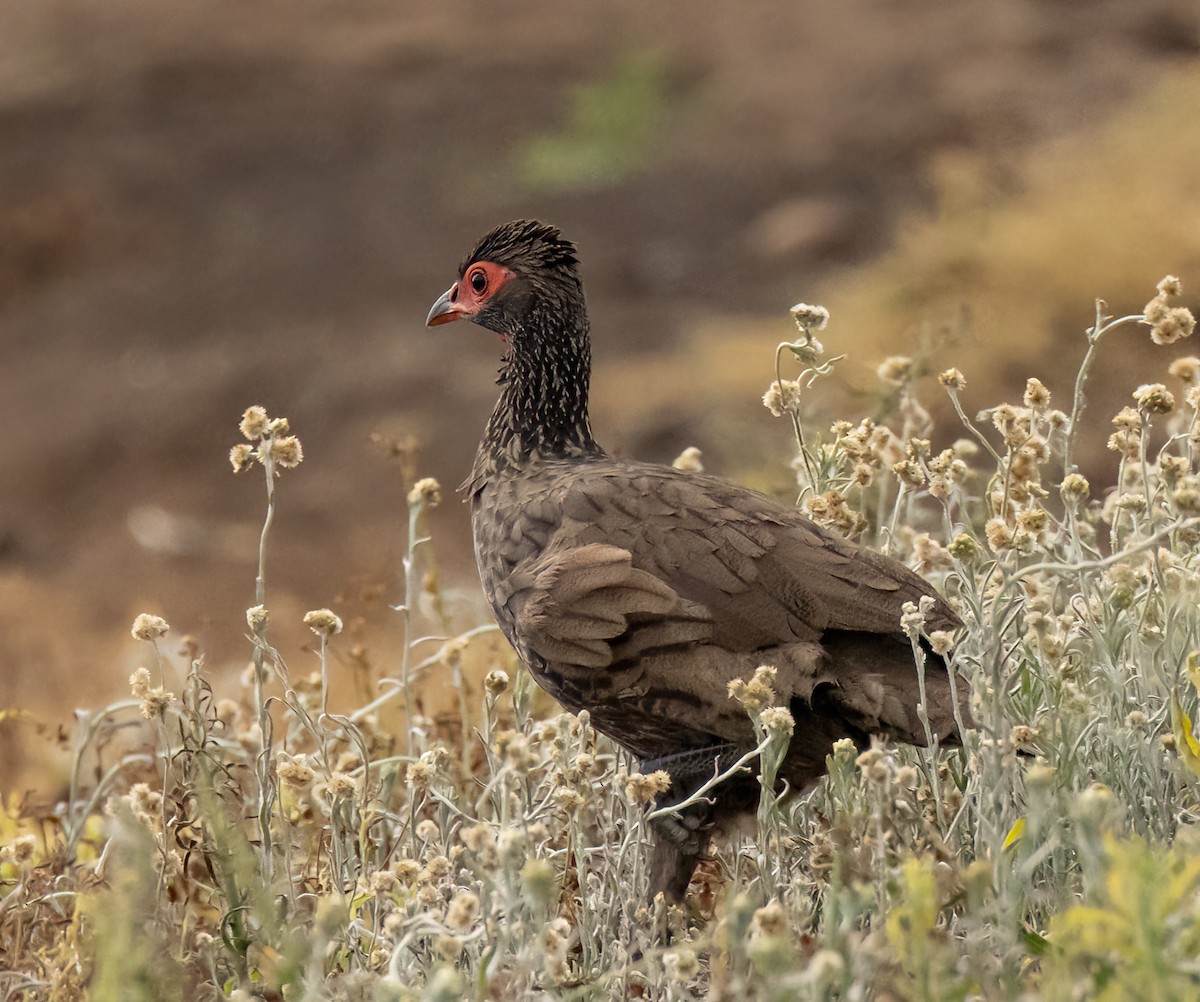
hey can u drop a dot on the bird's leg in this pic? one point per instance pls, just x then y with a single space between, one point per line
681 837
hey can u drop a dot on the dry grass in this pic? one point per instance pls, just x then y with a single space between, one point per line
255 844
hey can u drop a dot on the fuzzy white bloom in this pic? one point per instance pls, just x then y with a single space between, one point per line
148 627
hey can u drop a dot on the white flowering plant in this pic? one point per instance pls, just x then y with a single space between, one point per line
249 842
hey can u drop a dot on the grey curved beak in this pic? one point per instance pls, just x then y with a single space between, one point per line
445 310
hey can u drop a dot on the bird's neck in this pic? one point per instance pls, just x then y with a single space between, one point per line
542 412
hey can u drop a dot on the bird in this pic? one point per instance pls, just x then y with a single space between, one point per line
640 592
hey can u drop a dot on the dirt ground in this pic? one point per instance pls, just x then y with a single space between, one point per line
207 205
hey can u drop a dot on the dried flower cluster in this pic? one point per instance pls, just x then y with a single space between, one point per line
269 442
253 844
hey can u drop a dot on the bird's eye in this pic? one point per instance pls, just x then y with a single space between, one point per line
478 282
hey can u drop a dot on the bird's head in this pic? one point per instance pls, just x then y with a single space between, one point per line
520 277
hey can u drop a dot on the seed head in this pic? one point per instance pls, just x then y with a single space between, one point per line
770 920
898 370
1154 398
257 618
384 883
909 473
953 379
294 772
1036 394
1186 369
868 758
1168 323
254 423
139 683
448 947
830 509
1172 468
569 801
999 535
1127 443
1174 324
912 617
689 460
147 627
323 622
1032 520
1170 286
757 694
241 457
1186 498
1075 487
1133 502
942 641
495 682
155 703
810 319
287 452
462 910
1022 735
642 789
407 870
778 721
782 397
426 492
341 785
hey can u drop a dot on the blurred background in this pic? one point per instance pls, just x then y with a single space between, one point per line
209 205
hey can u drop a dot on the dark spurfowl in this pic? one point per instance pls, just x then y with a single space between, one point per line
639 592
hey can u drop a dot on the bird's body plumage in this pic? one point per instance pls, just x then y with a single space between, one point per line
639 592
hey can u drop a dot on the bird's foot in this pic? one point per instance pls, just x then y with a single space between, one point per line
691 769
680 836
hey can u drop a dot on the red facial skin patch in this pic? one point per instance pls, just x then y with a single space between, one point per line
479 283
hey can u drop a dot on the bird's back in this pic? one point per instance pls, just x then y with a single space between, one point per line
640 591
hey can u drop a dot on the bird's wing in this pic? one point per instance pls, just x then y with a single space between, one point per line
765 574
652 590
587 606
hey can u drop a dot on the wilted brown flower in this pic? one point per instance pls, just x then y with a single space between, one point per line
462 910
952 379
810 319
1168 323
254 422
642 789
782 397
999 535
323 622
241 457
1075 487
1154 398
757 694
1036 394
287 452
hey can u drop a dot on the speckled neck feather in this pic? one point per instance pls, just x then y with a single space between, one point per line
542 412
